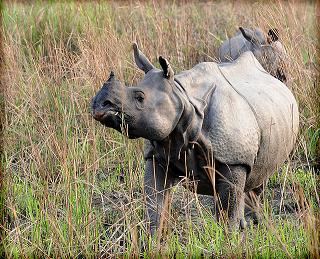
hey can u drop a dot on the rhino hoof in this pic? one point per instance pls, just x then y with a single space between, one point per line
243 224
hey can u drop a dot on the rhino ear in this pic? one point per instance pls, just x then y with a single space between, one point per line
142 62
111 76
274 34
250 36
166 67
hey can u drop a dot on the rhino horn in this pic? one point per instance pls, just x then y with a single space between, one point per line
249 36
141 60
167 69
111 76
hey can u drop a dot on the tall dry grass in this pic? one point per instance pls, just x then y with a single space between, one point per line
75 188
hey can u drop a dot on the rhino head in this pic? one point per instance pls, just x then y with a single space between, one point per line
151 109
270 55
107 105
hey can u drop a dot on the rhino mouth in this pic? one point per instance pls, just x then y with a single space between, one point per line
117 120
110 118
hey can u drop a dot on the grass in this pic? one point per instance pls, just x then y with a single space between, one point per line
74 188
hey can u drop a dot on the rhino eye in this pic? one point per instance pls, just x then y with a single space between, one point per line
139 98
106 103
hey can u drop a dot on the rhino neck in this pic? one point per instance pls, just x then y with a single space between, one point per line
188 129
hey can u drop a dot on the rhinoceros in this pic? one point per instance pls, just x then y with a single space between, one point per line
226 127
268 50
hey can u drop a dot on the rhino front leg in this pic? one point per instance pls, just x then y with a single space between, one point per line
157 185
230 192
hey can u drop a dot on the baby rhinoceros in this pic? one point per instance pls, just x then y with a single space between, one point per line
268 50
233 114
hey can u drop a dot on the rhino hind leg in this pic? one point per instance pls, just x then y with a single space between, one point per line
231 197
252 205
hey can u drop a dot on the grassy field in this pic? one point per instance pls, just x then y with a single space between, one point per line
74 188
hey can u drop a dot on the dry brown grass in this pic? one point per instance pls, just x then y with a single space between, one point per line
59 161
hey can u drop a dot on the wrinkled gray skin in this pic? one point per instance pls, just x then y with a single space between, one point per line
270 54
234 114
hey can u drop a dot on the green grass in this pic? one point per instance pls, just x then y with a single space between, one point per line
74 188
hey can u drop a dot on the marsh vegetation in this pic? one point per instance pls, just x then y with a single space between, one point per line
73 187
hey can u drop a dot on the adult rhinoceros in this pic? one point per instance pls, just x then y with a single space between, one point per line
233 114
268 50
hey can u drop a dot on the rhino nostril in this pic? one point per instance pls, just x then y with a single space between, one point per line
106 103
97 114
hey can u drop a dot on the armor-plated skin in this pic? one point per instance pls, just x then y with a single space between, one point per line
235 115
